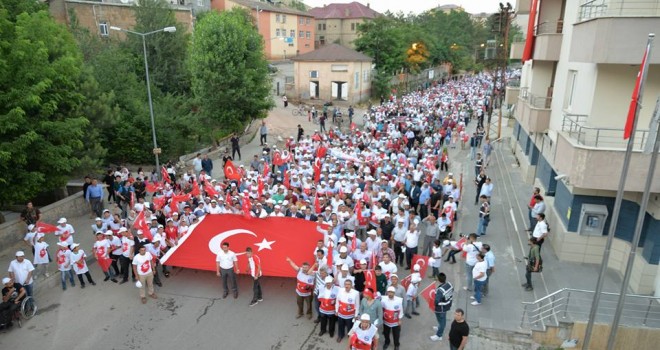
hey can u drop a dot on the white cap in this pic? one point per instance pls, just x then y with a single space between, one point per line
384 241
20 253
62 244
108 233
415 279
140 232
6 280
343 250
416 267
40 236
365 317
329 279
350 234
391 289
342 239
30 227
75 245
363 262
123 229
61 221
344 267
445 243
372 232
98 219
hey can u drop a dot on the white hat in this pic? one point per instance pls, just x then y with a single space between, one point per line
342 239
138 284
365 317
415 279
98 219
343 250
6 280
372 232
350 234
140 232
62 244
391 289
40 236
401 195
384 241
20 253
344 267
61 221
416 267
75 245
363 262
30 227
329 279
445 243
123 229
108 233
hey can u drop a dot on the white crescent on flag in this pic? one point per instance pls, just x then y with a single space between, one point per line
216 242
421 262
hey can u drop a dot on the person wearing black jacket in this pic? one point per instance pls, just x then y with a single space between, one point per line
109 181
235 146
444 295
387 226
480 180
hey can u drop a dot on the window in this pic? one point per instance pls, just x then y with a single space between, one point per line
321 26
365 76
277 32
353 26
308 21
314 74
103 28
283 18
277 18
301 20
301 34
321 40
306 45
308 35
339 68
291 45
292 33
570 89
357 80
283 31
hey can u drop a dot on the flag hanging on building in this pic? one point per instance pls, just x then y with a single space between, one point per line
635 99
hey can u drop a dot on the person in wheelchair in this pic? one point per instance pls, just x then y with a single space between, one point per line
12 296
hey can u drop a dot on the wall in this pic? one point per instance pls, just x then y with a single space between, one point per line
90 14
327 76
627 338
14 230
305 45
542 78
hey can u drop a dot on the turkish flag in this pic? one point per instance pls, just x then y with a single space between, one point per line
246 207
270 237
153 187
353 126
210 191
260 186
266 169
428 294
317 204
176 199
277 158
132 200
231 172
104 263
405 282
321 152
195 188
286 181
460 243
43 227
228 199
140 223
634 103
159 202
317 170
374 260
370 280
330 255
423 262
165 175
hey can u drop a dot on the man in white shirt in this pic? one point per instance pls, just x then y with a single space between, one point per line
399 235
144 268
254 269
472 248
540 229
20 270
479 276
127 252
227 269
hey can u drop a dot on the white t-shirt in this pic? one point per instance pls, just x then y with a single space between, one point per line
40 253
126 245
480 267
226 260
64 260
388 269
437 257
540 229
143 263
102 248
412 239
116 243
78 261
471 249
65 233
21 271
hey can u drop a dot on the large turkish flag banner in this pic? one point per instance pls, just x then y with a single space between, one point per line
273 239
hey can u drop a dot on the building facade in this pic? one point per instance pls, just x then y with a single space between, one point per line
569 120
286 32
333 73
98 17
338 23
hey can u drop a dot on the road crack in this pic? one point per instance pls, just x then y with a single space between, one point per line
206 309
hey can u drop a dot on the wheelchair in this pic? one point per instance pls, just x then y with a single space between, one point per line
25 311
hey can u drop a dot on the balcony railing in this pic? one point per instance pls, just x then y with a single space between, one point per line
575 125
621 8
550 27
535 101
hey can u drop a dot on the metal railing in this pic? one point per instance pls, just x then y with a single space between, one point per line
571 305
575 125
533 100
622 8
549 27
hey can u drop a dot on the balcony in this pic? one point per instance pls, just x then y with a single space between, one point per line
517 49
548 40
614 31
533 112
522 7
592 157
512 91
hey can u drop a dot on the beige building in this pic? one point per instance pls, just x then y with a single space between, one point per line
287 32
569 121
98 17
338 23
333 72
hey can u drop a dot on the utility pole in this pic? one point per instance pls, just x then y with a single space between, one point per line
506 16
502 61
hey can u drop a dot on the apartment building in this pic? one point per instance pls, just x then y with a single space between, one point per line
287 32
569 118
338 23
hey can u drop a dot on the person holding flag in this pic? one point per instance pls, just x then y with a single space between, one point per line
392 311
363 335
101 250
80 265
304 286
254 269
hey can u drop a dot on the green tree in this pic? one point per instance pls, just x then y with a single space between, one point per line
41 123
166 52
229 71
382 39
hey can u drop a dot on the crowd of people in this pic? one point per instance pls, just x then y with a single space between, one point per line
381 194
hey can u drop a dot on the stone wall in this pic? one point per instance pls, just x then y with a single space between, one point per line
13 231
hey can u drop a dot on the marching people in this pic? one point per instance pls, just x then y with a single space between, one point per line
254 269
80 265
364 334
64 264
227 268
327 297
41 256
392 311
304 287
347 308
144 268
21 270
371 306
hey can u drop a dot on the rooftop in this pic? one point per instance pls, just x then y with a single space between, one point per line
265 6
351 10
333 53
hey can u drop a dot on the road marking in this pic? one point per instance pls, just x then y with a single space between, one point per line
513 219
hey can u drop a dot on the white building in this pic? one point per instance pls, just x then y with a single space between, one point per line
570 115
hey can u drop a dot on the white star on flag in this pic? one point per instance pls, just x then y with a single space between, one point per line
265 244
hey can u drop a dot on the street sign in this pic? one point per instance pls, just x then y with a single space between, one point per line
157 151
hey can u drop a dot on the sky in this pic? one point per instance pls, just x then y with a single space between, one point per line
418 6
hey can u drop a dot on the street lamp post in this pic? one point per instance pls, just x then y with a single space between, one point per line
146 69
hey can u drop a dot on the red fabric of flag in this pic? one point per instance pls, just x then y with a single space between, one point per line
528 51
246 207
370 280
260 186
423 262
195 188
153 187
632 110
428 294
286 181
43 227
165 175
140 223
277 158
270 238
210 191
317 204
231 172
